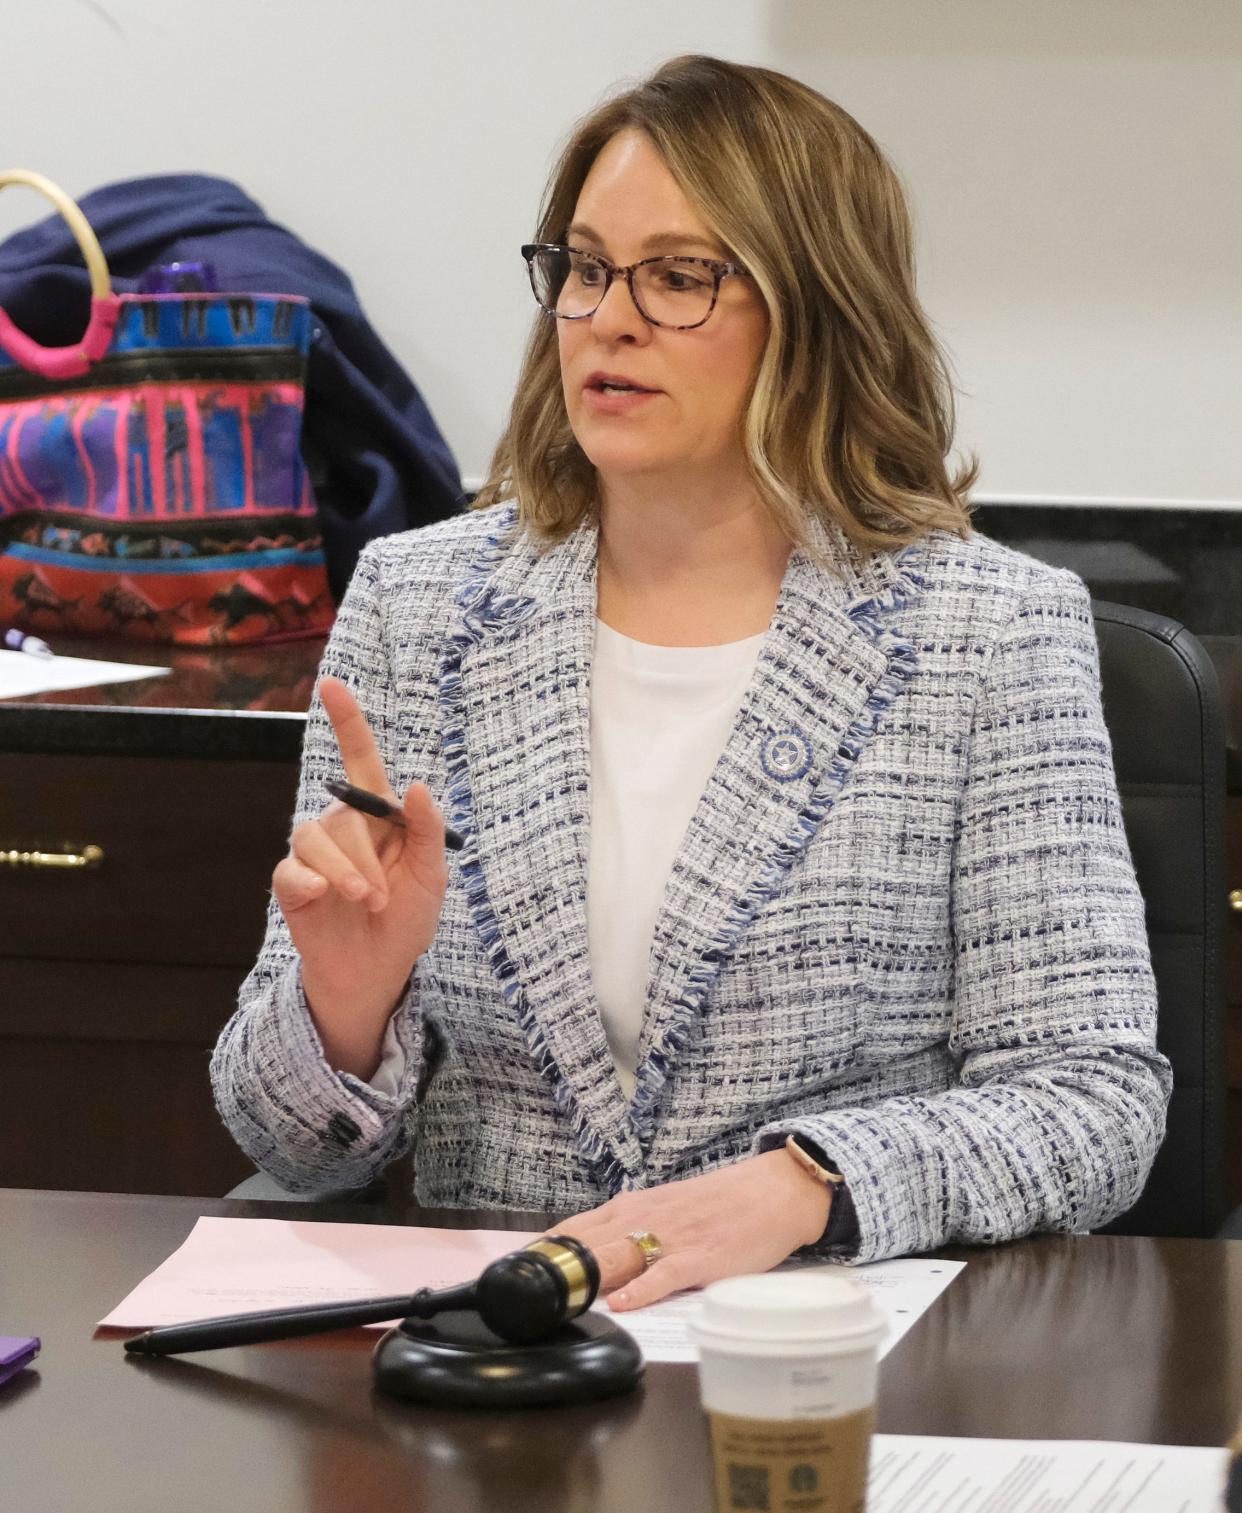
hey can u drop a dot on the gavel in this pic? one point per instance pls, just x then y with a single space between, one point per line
523 1298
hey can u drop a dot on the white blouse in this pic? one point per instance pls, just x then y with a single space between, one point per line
660 717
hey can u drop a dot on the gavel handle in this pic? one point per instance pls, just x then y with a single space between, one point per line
290 1323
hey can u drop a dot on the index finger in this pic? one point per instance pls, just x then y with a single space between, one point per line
364 767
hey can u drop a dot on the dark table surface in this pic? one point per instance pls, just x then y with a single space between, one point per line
1054 1337
240 701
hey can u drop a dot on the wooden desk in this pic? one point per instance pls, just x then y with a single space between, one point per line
1056 1337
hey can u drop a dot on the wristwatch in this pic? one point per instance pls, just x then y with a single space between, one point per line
813 1161
841 1232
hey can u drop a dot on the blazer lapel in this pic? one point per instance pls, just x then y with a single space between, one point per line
515 687
827 670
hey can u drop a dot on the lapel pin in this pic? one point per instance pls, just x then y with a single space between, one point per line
785 756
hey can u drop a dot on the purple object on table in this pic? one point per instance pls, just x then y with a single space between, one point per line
16 1352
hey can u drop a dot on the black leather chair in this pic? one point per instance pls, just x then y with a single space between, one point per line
1163 712
1162 707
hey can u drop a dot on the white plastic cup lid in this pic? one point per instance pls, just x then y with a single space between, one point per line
793 1311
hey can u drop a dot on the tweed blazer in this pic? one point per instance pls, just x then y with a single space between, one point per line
903 919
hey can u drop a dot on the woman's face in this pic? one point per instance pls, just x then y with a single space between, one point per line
695 384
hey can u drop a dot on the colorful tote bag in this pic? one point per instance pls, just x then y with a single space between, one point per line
151 479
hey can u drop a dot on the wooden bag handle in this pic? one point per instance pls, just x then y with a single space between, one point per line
75 360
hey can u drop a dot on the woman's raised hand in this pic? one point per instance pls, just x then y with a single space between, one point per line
362 897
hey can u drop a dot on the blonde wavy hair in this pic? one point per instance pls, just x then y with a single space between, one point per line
851 414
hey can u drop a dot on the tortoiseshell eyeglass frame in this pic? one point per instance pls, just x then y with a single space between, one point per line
719 270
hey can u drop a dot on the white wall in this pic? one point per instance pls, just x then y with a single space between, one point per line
1075 168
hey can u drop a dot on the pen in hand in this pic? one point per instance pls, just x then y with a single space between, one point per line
18 640
379 808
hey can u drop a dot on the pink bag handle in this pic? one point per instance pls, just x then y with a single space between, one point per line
72 361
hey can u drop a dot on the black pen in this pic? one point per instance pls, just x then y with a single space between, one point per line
379 808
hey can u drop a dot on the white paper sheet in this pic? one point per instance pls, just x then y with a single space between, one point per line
243 1265
22 674
917 1474
904 1289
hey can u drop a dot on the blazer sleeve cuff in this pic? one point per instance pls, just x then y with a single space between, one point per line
307 1126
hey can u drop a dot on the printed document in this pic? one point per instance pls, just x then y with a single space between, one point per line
904 1291
921 1474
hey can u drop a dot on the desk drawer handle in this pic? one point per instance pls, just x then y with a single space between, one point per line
89 856
1235 899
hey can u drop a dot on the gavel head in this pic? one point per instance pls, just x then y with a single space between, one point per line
528 1295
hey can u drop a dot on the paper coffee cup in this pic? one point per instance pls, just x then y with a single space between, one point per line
787 1368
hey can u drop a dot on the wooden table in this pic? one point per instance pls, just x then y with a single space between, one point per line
1055 1337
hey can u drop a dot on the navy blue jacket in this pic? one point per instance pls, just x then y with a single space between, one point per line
377 460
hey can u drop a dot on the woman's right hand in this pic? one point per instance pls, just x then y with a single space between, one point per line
362 897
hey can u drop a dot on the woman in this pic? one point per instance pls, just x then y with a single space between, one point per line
787 801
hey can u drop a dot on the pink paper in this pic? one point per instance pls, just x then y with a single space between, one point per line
245 1265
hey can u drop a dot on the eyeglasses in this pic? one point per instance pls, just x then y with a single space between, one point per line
678 293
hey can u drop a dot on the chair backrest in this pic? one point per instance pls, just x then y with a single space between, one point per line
1163 711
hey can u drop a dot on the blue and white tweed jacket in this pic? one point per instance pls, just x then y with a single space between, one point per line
917 940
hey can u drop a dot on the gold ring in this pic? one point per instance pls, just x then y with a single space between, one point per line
650 1247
